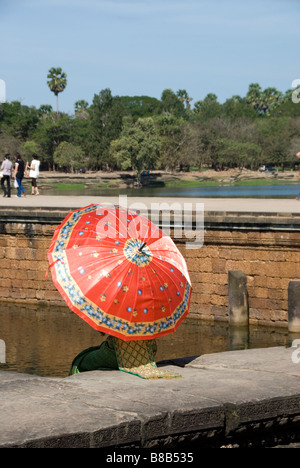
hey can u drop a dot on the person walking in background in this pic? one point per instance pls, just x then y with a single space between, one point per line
19 174
7 169
34 172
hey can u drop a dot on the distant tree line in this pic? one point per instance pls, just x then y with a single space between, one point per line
142 133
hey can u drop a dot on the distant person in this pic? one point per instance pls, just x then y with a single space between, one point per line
34 172
19 174
7 170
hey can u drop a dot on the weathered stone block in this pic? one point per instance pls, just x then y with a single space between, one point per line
238 298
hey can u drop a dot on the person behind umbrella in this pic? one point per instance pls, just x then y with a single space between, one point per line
135 357
7 169
19 173
124 277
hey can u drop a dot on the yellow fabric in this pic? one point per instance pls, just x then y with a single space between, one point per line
137 357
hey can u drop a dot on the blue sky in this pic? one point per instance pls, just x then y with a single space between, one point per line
141 47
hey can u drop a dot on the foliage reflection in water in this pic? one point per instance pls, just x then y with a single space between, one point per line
43 340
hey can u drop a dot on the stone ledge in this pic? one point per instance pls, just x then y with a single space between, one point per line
212 404
212 220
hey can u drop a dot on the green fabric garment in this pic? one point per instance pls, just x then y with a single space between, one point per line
102 357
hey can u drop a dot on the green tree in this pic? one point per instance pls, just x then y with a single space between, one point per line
30 147
81 111
138 146
274 137
206 133
45 109
237 108
232 153
57 82
80 134
50 133
271 99
69 156
208 108
140 106
185 98
170 131
18 120
286 106
9 144
263 101
253 96
106 114
171 103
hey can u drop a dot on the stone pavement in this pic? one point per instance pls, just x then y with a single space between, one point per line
245 398
249 205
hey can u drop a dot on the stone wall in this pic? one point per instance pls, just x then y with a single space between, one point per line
270 261
269 258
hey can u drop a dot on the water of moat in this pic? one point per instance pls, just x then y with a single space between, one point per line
43 340
288 191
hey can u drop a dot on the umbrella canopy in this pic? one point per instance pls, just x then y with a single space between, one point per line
120 273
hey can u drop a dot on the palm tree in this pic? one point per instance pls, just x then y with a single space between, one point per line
261 100
254 94
57 82
81 109
184 97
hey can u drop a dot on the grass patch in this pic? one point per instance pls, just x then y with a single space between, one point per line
229 183
62 187
270 181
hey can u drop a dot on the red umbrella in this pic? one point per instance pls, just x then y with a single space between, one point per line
120 273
